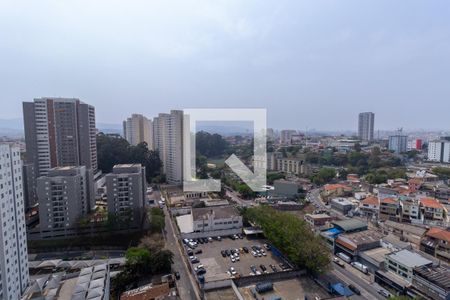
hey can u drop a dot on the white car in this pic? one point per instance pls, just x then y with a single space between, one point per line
258 272
263 253
232 259
210 239
233 271
254 254
237 258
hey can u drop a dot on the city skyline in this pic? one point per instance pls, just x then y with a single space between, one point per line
234 54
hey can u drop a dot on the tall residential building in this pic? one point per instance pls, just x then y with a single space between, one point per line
439 151
59 132
29 185
138 129
126 189
398 143
14 274
168 140
286 135
366 122
65 195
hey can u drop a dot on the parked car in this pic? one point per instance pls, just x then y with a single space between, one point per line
228 252
210 239
263 267
245 249
232 271
254 254
354 289
198 251
219 238
338 262
267 246
273 267
263 253
384 293
200 266
201 272
177 275
253 268
224 254
232 258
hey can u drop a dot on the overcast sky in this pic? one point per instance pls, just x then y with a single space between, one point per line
312 64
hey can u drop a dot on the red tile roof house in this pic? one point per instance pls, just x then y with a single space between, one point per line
336 190
437 243
370 206
432 209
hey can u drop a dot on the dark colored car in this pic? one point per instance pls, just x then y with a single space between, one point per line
201 271
224 253
354 289
228 252
263 268
190 252
273 268
177 275
245 249
200 241
198 251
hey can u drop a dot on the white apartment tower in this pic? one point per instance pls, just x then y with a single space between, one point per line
138 129
168 141
14 274
439 151
366 123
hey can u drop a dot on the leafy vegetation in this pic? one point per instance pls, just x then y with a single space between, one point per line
112 151
156 218
210 145
148 259
292 236
324 175
442 172
382 175
356 161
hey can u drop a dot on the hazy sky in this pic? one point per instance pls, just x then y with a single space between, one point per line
312 64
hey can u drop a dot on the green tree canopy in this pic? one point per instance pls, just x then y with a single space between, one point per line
292 236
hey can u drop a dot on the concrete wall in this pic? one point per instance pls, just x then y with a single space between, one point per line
221 233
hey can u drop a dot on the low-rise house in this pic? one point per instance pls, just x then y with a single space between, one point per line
405 232
336 190
415 184
409 209
432 282
389 209
432 209
370 206
437 243
318 220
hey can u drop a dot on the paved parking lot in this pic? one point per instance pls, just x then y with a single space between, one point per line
217 266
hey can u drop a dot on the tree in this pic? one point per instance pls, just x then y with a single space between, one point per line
292 236
112 151
442 172
210 145
157 220
324 175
